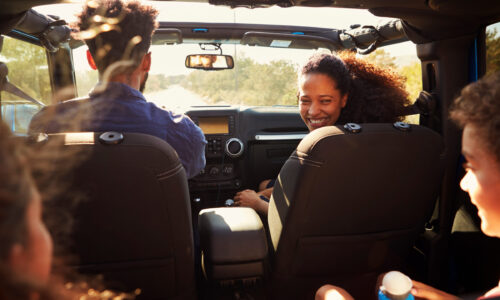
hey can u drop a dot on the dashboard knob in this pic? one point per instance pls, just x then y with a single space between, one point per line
227 170
234 147
214 171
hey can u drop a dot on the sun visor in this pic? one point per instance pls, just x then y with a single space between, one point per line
286 40
167 36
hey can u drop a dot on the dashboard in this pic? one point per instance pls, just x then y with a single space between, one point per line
245 145
223 147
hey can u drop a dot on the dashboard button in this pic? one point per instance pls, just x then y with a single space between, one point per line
214 171
227 170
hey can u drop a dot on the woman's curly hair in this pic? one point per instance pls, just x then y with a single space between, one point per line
479 105
375 94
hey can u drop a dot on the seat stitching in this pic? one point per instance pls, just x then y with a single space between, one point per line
170 172
307 161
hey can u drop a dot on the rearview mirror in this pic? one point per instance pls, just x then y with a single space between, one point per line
209 61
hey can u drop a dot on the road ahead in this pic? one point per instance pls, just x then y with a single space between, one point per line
175 98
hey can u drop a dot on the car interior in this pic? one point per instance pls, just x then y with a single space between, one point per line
350 201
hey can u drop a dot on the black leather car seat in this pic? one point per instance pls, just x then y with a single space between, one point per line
347 206
134 225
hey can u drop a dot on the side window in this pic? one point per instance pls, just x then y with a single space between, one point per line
493 48
28 71
403 59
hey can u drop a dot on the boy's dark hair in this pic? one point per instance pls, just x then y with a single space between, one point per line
111 29
479 105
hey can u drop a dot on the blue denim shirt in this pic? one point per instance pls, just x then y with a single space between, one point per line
124 109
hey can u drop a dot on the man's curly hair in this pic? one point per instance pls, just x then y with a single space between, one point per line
479 105
375 94
110 29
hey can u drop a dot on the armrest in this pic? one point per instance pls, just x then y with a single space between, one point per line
233 243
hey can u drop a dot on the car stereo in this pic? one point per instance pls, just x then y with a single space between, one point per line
219 131
223 147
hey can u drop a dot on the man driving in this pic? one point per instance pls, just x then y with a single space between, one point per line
118 35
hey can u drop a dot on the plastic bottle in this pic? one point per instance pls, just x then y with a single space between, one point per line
395 286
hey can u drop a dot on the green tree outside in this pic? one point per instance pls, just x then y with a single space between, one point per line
381 58
492 51
413 75
249 83
275 83
28 69
253 83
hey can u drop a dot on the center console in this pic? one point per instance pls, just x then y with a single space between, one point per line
245 146
222 152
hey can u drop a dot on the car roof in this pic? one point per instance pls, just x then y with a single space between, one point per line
425 20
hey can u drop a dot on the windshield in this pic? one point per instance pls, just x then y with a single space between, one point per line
262 76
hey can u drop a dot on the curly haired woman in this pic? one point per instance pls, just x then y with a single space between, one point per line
336 90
